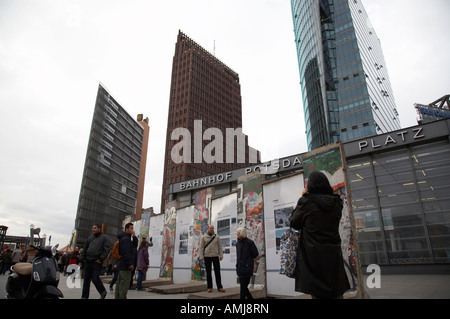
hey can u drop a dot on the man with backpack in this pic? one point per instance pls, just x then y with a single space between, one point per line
125 261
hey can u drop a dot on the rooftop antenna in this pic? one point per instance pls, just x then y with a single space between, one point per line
214 48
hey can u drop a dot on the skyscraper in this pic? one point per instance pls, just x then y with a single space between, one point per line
344 80
112 170
205 93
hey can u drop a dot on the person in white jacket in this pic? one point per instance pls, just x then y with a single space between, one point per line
211 254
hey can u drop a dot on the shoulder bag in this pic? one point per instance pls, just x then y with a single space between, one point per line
204 248
288 257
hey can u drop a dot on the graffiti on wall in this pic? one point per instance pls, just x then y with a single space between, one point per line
168 240
250 214
202 207
145 226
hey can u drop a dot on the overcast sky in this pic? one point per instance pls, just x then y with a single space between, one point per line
53 54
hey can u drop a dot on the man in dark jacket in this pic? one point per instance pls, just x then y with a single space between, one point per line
125 263
245 263
95 251
320 266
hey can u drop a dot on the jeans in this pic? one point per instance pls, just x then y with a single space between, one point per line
123 283
140 278
245 293
116 275
5 267
92 272
216 262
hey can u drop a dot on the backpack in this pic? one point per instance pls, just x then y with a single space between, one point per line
115 251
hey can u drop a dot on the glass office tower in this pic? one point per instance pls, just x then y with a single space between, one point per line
345 85
109 187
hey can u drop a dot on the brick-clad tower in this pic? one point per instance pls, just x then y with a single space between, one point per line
202 89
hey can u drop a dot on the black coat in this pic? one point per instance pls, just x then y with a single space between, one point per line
246 252
125 251
320 266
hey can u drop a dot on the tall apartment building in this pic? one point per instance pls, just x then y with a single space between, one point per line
202 89
344 80
114 168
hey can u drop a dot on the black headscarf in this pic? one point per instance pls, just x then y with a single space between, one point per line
318 184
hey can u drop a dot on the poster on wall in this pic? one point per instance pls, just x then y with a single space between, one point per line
156 232
280 199
223 218
183 246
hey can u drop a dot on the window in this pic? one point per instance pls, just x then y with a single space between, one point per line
366 213
432 171
400 208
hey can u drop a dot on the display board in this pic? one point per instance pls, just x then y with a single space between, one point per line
154 252
224 220
183 245
280 199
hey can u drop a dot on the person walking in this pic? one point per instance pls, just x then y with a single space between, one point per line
320 266
16 256
6 260
94 253
115 273
211 254
125 263
62 262
142 262
246 253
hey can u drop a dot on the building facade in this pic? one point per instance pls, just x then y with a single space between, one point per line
205 93
399 190
400 195
112 170
344 81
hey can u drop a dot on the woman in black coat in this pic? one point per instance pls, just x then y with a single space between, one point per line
320 266
245 263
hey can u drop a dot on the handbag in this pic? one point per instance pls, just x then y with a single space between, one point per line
288 257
